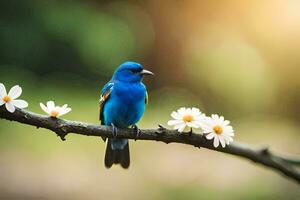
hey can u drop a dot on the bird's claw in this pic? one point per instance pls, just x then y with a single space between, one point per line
138 131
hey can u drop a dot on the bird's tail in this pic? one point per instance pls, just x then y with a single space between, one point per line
117 152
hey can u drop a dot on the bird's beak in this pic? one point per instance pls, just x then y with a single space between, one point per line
146 72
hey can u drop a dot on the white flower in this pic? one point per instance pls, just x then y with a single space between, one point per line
217 128
55 111
10 100
191 117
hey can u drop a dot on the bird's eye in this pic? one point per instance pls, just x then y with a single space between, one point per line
135 71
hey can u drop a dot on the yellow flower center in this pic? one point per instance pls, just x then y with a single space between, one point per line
188 118
218 130
6 99
54 113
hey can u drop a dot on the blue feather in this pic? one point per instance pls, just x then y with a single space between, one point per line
126 104
124 101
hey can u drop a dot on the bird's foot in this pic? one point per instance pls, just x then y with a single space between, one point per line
138 131
114 131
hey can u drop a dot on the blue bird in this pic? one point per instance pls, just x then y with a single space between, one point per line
122 104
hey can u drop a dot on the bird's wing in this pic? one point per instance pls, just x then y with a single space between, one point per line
105 93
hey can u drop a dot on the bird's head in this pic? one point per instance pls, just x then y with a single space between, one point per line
130 72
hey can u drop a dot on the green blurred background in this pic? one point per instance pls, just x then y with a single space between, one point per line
237 58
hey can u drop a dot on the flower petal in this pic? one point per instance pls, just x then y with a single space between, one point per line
216 142
189 111
228 131
195 111
20 103
181 129
193 125
231 134
201 117
210 136
15 92
228 139
2 90
64 111
174 122
175 115
206 129
178 126
222 141
50 105
181 111
226 122
10 107
221 119
44 108
214 116
64 106
199 123
1 101
228 128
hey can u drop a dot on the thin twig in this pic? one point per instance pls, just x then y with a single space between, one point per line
62 127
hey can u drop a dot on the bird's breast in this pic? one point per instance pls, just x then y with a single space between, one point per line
126 104
130 93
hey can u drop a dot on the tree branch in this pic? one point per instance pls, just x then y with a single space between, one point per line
62 127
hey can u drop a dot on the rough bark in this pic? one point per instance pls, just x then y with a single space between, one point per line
281 164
